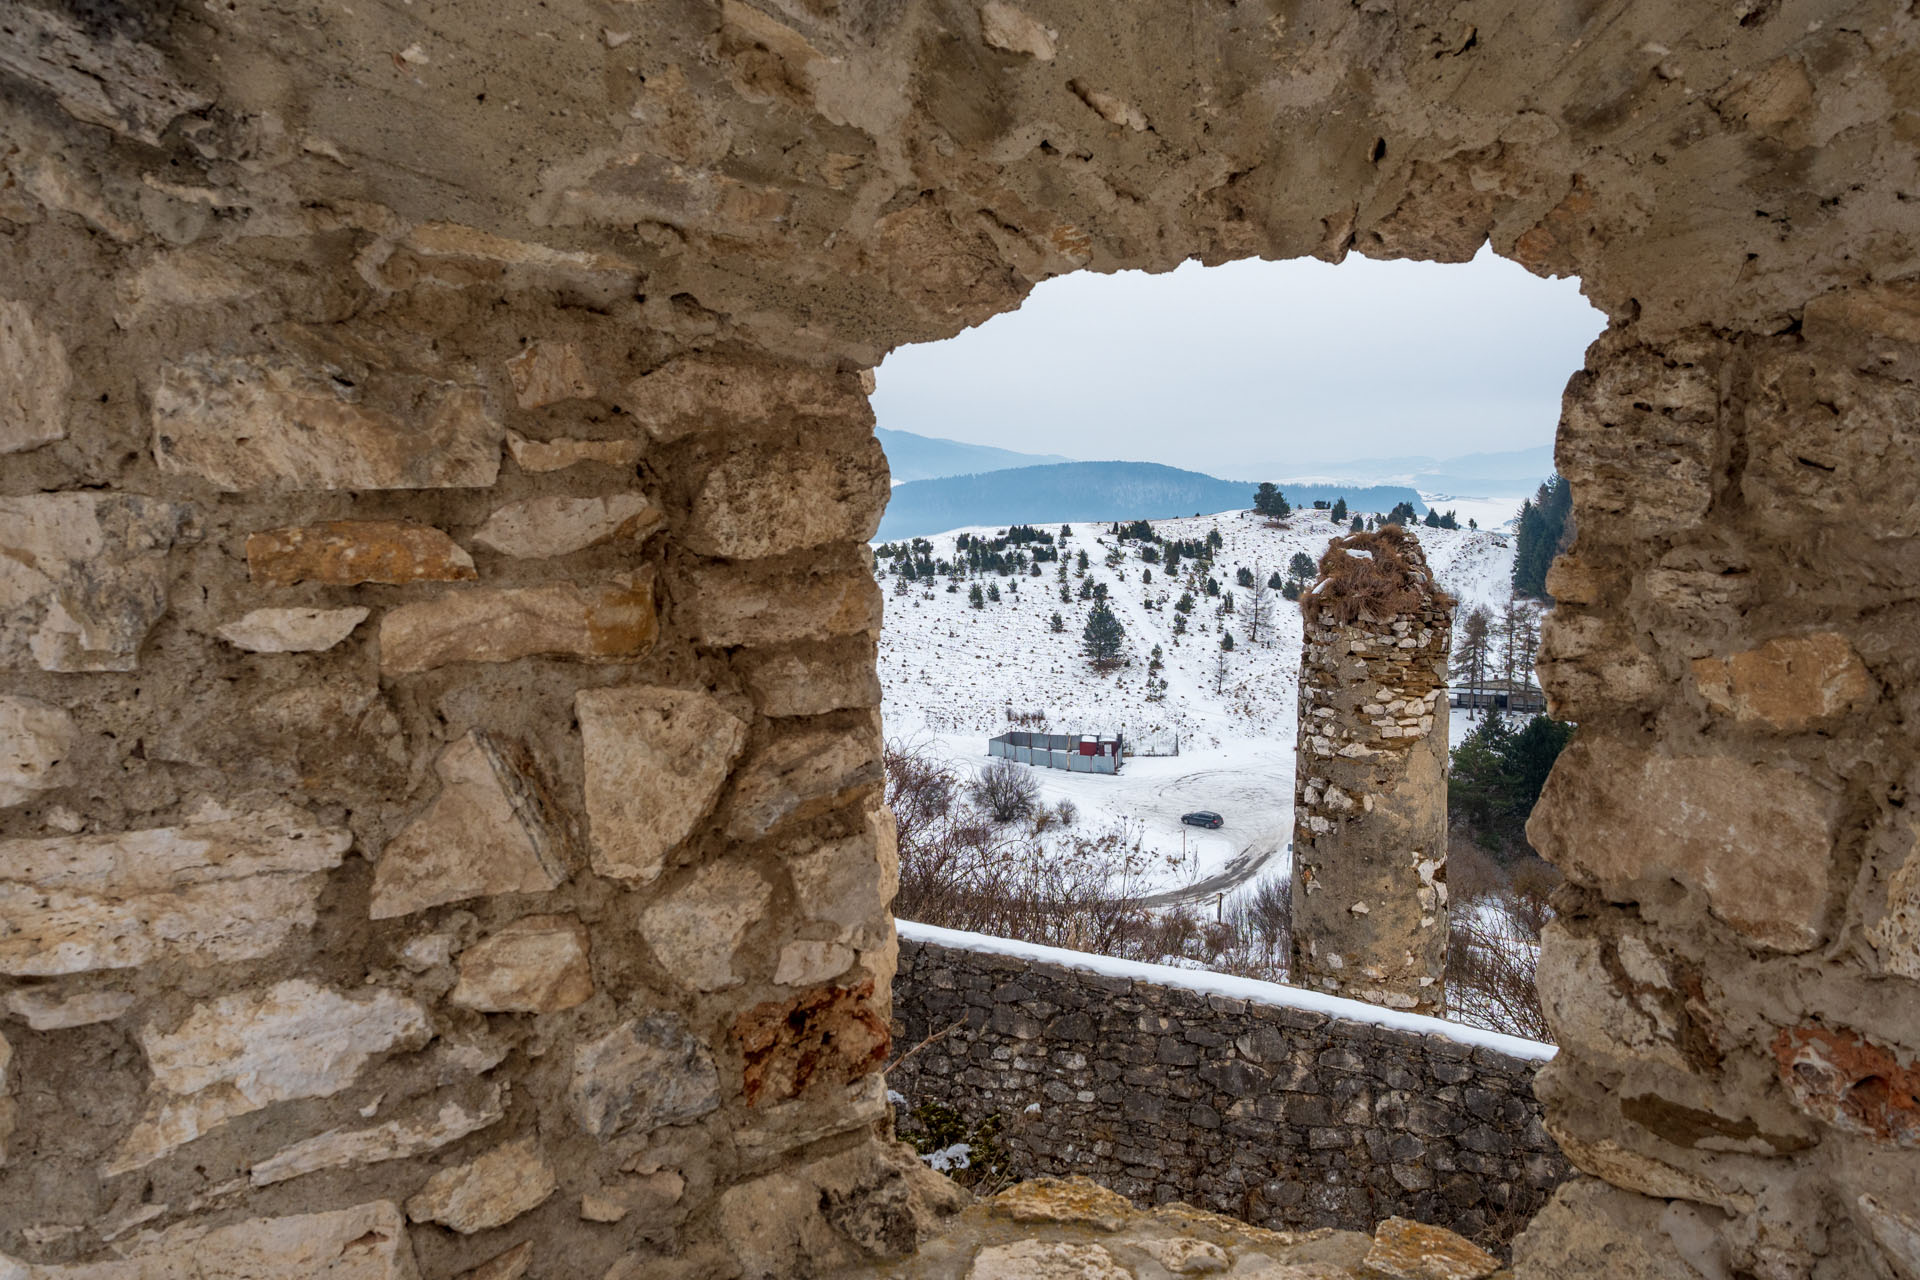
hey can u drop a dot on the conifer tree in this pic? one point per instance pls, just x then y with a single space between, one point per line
1473 651
1302 566
976 597
1340 511
1103 636
1059 623
993 593
1274 581
1226 641
1543 531
1243 576
1357 525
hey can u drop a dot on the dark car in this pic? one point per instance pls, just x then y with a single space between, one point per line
1203 818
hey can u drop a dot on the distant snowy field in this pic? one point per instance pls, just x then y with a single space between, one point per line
950 674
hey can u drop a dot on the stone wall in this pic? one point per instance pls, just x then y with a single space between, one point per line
269 267
1370 777
1277 1115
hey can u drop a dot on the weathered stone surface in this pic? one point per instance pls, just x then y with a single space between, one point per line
644 1073
834 491
1592 1229
417 1133
1005 27
1404 1250
494 828
802 775
510 1265
1896 934
1046 1260
751 605
34 381
101 77
35 740
297 630
656 761
229 887
47 1010
366 1242
805 964
1063 1200
84 576
650 1197
540 456
262 423
345 553
1896 1232
548 372
1759 853
488 1192
1788 683
249 1050
9 1109
850 881
615 621
813 681
537 964
1187 1256
703 393
1832 446
1846 1079
539 528
828 1036
694 930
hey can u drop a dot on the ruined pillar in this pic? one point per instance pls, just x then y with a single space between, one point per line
1370 786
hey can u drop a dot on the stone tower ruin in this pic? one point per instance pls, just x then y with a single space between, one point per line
1370 779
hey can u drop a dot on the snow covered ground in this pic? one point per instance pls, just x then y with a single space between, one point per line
951 674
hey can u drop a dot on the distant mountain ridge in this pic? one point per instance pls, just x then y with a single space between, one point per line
1097 491
1514 471
917 457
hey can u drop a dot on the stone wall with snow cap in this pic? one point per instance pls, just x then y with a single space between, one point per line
1278 1106
1370 788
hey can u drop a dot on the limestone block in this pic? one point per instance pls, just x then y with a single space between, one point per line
656 761
1640 435
539 456
1896 934
417 1133
831 1035
47 1010
298 630
1592 1229
831 490
510 1265
694 930
538 528
488 1192
34 381
813 681
1046 1260
264 423
1005 27
366 1242
802 775
1755 840
1896 1232
224 888
1186 1256
1826 443
181 279
615 621
84 576
1063 1201
98 76
1877 327
35 740
548 372
1787 683
651 1197
492 829
706 392
849 882
537 964
645 1073
755 606
345 553
1407 1250
249 1050
805 964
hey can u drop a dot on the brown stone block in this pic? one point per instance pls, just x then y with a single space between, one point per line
34 381
366 1242
547 373
763 500
539 456
830 1035
1877 328
614 622
804 774
756 605
1786 683
489 1191
725 393
1851 1082
540 528
344 553
537 964
1755 840
812 681
1827 443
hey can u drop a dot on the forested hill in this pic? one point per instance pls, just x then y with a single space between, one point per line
916 457
1096 491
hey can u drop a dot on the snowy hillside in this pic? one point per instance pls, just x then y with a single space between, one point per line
951 676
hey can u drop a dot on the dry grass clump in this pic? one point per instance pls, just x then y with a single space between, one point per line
1391 578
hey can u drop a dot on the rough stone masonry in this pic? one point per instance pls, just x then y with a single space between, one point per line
434 465
1370 789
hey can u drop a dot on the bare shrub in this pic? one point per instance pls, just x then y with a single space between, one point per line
1381 581
1067 813
1472 876
1005 790
1490 980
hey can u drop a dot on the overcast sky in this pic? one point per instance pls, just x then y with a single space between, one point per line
1257 368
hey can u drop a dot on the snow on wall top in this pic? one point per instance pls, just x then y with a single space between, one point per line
1221 984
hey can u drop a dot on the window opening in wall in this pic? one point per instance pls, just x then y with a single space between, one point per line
1107 508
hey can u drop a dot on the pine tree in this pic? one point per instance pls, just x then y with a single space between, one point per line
1086 589
1059 623
1292 590
1302 566
1265 498
1081 564
1274 581
1185 603
1357 525
1473 650
1066 595
1544 529
1103 636
1214 540
1226 641
1433 518
993 593
976 597
1340 511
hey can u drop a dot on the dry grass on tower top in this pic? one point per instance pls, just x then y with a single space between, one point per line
1382 573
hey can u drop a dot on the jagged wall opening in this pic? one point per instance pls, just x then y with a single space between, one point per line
269 269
